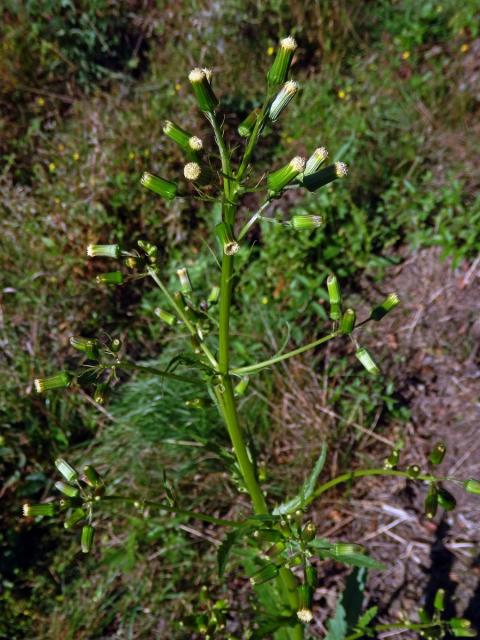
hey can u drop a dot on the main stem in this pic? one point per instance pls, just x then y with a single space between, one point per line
226 398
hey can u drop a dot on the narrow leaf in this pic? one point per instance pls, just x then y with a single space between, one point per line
307 489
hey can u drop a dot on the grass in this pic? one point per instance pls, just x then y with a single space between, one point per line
395 101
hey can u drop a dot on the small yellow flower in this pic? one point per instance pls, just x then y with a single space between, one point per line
405 55
264 300
464 48
178 86
76 156
131 155
271 51
56 200
61 147
342 94
289 139
51 167
41 102
146 153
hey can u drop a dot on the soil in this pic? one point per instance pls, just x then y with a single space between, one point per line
433 357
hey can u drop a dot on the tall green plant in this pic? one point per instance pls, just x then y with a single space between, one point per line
281 541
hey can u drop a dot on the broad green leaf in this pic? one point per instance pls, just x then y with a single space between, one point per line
354 560
348 607
307 489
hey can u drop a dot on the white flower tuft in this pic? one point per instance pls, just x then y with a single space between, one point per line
305 615
288 43
321 153
195 143
196 75
192 171
26 510
167 126
298 164
290 87
341 169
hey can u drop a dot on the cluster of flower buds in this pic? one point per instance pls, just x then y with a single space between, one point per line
106 251
458 627
79 494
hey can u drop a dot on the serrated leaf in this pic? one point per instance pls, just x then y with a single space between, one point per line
367 617
337 626
307 488
348 607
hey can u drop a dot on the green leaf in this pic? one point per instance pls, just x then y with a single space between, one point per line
307 489
367 617
271 625
354 560
225 548
348 607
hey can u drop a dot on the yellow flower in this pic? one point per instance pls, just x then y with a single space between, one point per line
76 156
146 153
464 48
41 102
405 55
61 147
264 300
51 167
178 86
131 155
271 51
342 94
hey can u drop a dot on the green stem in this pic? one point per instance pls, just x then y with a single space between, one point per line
179 512
158 372
363 473
252 141
290 354
179 311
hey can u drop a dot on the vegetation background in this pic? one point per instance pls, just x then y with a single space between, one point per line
391 87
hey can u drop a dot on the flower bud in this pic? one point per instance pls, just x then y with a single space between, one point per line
305 596
103 251
192 171
367 361
115 345
390 302
207 101
309 531
160 186
439 600
306 222
267 535
266 573
446 500
165 316
413 471
392 460
282 100
347 323
99 392
431 502
315 161
87 538
92 477
437 453
185 282
241 387
60 380
334 297
213 295
311 575
279 179
472 486
279 70
89 346
224 233
314 181
346 548
68 472
195 143
110 278
66 489
32 510
245 128
177 134
75 517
